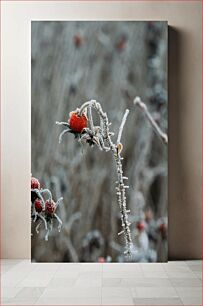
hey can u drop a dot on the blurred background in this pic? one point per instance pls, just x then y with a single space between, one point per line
111 62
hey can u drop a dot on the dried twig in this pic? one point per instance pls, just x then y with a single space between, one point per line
156 128
122 126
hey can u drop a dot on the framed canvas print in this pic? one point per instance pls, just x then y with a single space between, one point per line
99 141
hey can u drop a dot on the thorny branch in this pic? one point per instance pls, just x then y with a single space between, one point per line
117 157
102 137
158 131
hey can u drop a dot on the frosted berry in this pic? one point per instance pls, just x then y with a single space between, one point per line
121 43
50 207
140 226
77 122
38 205
77 39
163 230
101 259
35 184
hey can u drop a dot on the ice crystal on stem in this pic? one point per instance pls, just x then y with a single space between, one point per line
101 136
43 208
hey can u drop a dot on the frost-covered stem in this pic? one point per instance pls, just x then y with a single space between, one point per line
158 131
43 219
48 192
62 134
62 123
75 217
122 125
117 157
122 203
37 227
38 192
89 110
59 201
47 235
59 222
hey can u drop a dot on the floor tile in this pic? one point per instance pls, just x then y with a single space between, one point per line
153 292
19 272
21 301
172 283
90 274
111 282
157 274
6 268
152 267
177 268
122 274
29 292
177 262
116 292
70 267
198 274
66 273
145 282
69 301
73 292
192 301
189 291
193 262
88 282
9 292
87 267
120 267
196 268
185 282
36 281
157 301
61 282
178 274
118 301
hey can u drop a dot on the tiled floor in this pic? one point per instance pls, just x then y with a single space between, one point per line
173 283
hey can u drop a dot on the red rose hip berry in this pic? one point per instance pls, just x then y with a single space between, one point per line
77 122
35 184
140 226
163 230
101 259
38 205
50 207
77 40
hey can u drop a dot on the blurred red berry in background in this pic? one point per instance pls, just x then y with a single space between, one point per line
163 230
121 43
101 259
77 39
140 226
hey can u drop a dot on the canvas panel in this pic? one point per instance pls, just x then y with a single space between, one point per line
114 186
